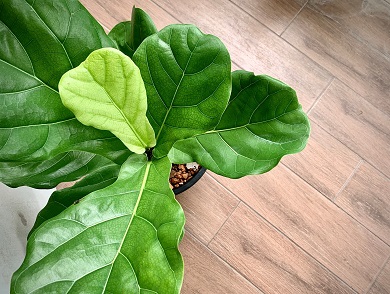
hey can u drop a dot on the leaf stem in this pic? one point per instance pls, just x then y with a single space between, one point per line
149 153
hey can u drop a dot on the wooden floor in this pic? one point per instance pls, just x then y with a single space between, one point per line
320 221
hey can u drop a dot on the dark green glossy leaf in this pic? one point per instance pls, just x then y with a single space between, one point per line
121 34
130 34
47 174
188 81
62 199
262 123
143 27
40 41
121 239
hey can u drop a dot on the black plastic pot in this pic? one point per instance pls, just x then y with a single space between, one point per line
191 182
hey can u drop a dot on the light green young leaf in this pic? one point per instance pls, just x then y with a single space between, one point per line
262 123
121 239
187 76
106 91
40 41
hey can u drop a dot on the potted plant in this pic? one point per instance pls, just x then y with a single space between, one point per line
114 112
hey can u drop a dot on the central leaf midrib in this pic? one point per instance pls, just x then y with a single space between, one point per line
48 124
177 88
148 165
120 111
251 123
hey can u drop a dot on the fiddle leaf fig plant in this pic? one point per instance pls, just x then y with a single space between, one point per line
114 112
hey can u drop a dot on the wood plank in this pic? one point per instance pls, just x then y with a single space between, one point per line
382 284
252 46
314 223
109 13
366 198
325 163
276 14
358 65
366 20
207 273
356 123
206 205
269 260
235 67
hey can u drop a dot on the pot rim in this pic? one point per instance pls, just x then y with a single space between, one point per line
191 182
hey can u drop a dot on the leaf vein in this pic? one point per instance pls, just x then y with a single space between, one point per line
24 49
52 33
177 89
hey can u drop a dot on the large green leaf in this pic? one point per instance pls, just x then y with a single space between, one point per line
40 41
128 35
47 174
122 239
262 123
106 91
62 199
188 81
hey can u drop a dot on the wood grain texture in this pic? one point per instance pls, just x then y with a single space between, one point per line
206 205
269 260
275 14
366 198
317 225
325 163
109 13
382 284
367 20
207 273
252 46
356 123
352 61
